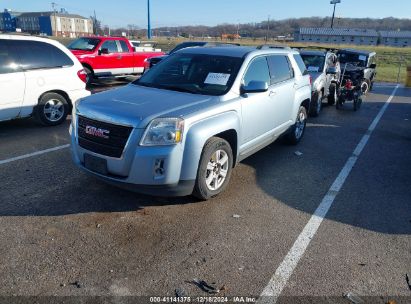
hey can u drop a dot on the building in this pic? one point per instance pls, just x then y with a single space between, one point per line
8 21
48 23
337 36
396 38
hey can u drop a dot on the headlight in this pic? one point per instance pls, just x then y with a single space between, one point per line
163 132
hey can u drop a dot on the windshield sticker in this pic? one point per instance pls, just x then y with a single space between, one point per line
313 69
217 78
362 58
90 47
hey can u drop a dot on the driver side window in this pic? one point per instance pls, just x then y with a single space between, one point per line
257 71
110 45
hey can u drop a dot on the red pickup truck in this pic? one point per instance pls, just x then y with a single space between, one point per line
109 56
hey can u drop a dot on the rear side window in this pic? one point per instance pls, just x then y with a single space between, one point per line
280 69
8 60
124 46
257 71
301 64
40 55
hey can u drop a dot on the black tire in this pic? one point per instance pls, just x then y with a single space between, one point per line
365 86
316 105
202 190
332 94
51 110
339 103
90 75
298 129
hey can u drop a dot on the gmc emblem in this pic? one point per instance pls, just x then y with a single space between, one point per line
90 130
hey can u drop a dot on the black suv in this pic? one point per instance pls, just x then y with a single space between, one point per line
357 62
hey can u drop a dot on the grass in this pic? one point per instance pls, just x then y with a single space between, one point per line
389 59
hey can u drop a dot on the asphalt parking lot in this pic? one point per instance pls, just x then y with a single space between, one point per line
65 233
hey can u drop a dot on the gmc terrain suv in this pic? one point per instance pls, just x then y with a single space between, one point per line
182 127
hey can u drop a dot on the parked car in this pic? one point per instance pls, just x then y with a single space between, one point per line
150 62
144 46
357 61
109 56
38 77
323 84
182 127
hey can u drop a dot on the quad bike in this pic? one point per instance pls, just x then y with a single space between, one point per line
350 89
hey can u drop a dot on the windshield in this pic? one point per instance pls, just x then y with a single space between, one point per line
353 59
84 44
314 63
193 73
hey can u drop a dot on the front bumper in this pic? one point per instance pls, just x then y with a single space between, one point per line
135 170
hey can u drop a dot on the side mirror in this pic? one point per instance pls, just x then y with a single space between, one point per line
254 87
103 51
331 71
373 66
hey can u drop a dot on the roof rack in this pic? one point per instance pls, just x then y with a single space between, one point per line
273 46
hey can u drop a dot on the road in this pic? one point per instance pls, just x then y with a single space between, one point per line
65 233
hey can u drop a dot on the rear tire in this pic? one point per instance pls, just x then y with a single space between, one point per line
51 110
214 170
365 86
332 94
297 130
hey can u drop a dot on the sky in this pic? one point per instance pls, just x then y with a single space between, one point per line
119 13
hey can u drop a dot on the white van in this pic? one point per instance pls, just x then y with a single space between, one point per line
38 77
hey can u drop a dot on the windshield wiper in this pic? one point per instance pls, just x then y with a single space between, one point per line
178 89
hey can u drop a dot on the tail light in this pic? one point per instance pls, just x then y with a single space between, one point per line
146 64
311 79
82 75
348 84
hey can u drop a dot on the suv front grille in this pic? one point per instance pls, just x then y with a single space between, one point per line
111 144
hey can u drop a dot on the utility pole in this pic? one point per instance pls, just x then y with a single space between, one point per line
268 28
148 21
95 24
53 5
335 4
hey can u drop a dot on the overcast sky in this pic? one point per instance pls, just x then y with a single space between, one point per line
212 12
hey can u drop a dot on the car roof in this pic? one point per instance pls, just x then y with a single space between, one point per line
238 51
29 38
354 51
313 53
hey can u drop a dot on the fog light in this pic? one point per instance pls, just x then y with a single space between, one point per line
159 168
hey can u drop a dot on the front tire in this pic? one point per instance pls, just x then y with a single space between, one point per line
214 169
316 106
297 131
51 110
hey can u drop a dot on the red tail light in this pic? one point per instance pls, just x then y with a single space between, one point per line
82 75
311 80
348 84
146 64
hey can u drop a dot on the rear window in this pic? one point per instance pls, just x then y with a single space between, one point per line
8 60
39 55
301 64
124 47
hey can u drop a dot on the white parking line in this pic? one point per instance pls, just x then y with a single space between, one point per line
281 276
6 161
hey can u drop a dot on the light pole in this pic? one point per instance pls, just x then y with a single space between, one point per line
335 3
148 21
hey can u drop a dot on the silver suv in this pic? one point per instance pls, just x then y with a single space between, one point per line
184 125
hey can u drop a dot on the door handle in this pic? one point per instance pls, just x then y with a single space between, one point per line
272 93
119 57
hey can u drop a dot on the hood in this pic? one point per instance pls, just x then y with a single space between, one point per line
315 75
137 106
